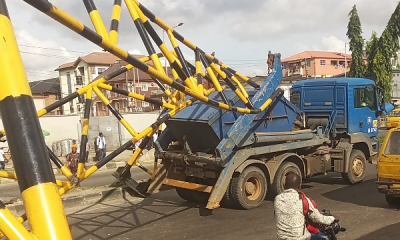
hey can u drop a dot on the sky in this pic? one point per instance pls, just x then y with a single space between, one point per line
240 32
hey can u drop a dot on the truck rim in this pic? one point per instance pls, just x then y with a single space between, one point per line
358 167
252 188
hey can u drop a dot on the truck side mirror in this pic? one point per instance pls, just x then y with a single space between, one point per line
387 108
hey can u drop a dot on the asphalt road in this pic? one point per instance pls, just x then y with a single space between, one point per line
100 178
362 210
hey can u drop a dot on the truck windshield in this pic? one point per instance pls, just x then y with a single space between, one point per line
392 146
365 97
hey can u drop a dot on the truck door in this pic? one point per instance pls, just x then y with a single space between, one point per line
362 110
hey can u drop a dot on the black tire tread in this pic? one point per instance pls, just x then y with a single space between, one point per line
236 192
276 184
347 176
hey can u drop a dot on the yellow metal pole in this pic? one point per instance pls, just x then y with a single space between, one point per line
116 15
96 18
10 226
42 202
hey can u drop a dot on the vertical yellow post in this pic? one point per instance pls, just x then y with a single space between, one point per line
40 195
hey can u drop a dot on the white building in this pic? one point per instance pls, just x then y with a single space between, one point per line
77 74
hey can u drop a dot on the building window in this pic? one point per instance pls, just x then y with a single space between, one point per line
322 62
308 63
104 106
69 83
100 70
92 70
365 97
144 87
125 103
116 86
284 66
145 104
334 63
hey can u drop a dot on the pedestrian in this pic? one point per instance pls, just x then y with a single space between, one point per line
87 150
101 145
73 160
2 159
74 143
96 150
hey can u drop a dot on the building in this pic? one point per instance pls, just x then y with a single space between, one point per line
396 86
77 74
396 62
46 92
134 81
286 83
316 64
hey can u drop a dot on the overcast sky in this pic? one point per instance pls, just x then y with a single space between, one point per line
240 32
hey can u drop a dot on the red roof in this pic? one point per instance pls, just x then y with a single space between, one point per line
98 58
316 54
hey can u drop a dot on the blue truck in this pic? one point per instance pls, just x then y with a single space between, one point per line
214 155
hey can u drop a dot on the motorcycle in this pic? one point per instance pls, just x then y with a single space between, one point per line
332 229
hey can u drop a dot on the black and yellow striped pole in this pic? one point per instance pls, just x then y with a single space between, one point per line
70 22
96 18
36 180
199 71
84 137
116 15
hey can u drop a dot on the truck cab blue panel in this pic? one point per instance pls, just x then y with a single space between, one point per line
318 98
205 126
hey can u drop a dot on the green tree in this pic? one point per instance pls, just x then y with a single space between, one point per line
381 51
357 66
371 51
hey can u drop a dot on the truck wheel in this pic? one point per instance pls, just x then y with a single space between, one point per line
280 176
184 193
357 167
248 189
395 201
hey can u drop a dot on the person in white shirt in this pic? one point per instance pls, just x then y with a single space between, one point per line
290 219
101 145
2 159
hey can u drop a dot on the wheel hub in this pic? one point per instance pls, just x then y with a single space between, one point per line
252 188
358 167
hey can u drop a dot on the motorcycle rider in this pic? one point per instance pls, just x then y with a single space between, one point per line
289 213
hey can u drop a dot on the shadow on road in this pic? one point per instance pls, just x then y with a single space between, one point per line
363 194
388 233
120 219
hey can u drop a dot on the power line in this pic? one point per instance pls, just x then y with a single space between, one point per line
55 49
47 55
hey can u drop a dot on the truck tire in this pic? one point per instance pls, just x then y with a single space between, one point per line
394 201
357 167
184 193
277 185
248 189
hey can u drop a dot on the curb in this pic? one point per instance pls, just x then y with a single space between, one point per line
78 200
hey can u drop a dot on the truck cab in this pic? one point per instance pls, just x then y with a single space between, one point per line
344 105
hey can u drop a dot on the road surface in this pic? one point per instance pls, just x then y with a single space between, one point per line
362 210
99 178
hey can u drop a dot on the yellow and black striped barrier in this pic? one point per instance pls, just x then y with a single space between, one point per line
40 190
